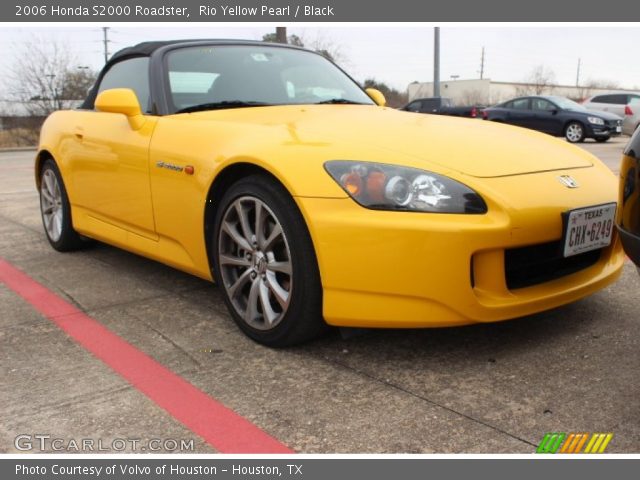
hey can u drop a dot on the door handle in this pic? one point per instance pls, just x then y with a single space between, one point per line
79 133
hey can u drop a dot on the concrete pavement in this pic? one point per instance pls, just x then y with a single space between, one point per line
488 388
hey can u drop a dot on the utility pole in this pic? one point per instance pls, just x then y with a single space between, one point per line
281 34
105 40
482 65
578 74
436 62
53 91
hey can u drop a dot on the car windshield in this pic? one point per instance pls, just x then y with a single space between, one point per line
566 104
232 76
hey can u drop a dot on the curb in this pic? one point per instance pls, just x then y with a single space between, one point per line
18 149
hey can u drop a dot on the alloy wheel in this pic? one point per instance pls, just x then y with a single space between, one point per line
255 263
51 205
574 132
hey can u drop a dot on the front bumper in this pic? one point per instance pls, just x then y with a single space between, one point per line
611 128
398 269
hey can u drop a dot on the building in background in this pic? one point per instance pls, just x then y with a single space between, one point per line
489 92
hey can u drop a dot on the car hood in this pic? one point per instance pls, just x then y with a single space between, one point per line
469 146
603 115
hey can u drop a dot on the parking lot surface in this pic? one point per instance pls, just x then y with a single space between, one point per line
488 388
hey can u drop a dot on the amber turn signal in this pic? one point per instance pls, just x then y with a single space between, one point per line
352 183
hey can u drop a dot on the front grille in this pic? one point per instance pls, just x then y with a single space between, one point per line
613 123
528 266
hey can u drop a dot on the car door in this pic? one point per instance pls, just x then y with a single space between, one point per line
545 116
110 164
415 106
518 112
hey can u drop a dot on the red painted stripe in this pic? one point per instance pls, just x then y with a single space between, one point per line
222 428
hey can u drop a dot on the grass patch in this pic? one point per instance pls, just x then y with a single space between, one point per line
18 137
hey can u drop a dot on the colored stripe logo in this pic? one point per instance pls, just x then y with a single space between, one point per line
574 442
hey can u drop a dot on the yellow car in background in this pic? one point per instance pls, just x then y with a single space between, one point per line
268 169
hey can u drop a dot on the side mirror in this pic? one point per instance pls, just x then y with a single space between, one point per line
124 101
376 96
554 111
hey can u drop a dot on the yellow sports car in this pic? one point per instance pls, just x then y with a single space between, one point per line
269 170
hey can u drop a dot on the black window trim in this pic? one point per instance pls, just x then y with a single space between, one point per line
159 84
159 90
528 99
550 102
89 102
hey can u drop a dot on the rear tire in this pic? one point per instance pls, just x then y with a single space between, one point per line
574 132
55 210
265 264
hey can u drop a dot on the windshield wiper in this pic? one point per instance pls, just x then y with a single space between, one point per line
219 105
341 101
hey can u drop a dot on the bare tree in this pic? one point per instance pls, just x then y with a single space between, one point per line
588 88
45 77
321 44
541 80
326 47
603 83
291 39
474 97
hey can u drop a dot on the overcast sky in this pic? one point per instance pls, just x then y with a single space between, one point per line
396 55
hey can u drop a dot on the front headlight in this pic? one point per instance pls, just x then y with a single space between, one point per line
595 120
390 187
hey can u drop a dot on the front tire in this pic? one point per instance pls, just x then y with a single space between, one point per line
574 132
265 264
55 210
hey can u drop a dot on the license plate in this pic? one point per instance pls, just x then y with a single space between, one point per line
589 229
618 129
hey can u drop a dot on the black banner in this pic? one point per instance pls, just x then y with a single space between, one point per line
279 11
316 469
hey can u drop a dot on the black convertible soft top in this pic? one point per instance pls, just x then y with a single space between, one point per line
146 49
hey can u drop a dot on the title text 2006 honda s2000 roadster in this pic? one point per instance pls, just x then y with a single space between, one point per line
269 170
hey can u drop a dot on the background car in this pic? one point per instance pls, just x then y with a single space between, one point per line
442 106
629 199
632 118
614 102
556 116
